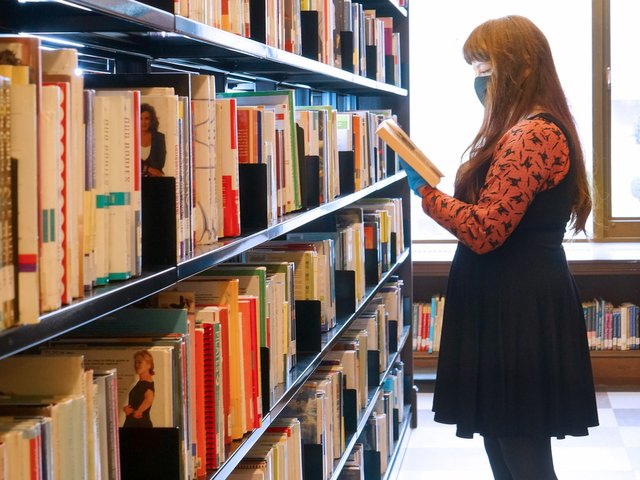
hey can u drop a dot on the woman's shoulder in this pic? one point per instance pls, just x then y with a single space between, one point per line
534 130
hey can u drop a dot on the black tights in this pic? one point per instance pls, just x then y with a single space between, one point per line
520 458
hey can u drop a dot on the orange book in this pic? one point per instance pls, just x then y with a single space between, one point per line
249 308
225 401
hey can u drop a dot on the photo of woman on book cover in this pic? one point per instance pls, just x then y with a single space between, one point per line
154 148
141 396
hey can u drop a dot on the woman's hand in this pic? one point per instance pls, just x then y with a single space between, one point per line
416 182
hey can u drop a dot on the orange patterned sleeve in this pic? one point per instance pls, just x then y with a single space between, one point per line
530 158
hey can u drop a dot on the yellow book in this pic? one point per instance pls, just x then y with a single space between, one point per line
391 133
211 292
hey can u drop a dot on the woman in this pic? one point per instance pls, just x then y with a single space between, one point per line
154 149
514 363
141 396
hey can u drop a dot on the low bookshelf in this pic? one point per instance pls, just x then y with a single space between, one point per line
609 270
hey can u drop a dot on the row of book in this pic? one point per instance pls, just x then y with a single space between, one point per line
99 150
611 327
193 367
427 324
340 33
327 410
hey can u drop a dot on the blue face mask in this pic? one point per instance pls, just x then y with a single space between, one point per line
480 86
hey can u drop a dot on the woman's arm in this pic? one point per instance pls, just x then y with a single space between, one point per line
146 403
531 158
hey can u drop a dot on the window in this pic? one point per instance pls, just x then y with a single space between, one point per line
445 112
617 146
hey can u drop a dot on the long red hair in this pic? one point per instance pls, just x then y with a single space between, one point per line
523 80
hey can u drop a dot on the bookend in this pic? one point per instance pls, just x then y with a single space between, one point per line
310 181
309 167
389 70
308 326
346 51
312 461
350 410
392 335
345 292
309 33
372 463
158 222
347 173
257 20
372 62
150 453
252 182
373 368
391 162
393 248
166 5
371 266
264 379
396 424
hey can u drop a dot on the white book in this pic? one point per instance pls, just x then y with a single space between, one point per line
204 159
167 107
107 124
283 103
227 167
50 209
123 229
67 224
62 65
123 358
269 157
24 148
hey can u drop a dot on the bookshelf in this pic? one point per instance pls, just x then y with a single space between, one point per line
128 36
610 270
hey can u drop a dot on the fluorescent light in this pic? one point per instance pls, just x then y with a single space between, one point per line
54 40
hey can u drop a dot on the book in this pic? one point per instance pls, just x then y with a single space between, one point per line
401 143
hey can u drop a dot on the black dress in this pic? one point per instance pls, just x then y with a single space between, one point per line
136 397
513 357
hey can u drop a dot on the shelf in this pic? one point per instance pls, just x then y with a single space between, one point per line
148 32
210 255
372 397
87 16
305 366
116 295
584 258
395 456
308 362
99 302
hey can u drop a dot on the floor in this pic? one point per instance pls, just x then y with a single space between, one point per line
610 452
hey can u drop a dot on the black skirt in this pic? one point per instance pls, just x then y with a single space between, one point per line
514 357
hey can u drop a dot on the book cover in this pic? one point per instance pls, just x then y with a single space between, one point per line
402 144
50 209
227 162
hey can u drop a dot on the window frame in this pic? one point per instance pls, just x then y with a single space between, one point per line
606 227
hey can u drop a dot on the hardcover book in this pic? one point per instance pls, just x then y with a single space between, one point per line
402 144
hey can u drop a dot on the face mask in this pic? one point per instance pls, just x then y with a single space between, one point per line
480 86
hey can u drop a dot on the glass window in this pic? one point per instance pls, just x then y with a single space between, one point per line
445 112
625 109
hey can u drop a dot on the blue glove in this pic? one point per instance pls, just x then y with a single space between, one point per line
416 182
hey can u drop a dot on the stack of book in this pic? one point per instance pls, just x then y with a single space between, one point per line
340 33
611 327
136 170
427 324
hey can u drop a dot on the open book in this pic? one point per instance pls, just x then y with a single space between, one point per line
399 141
